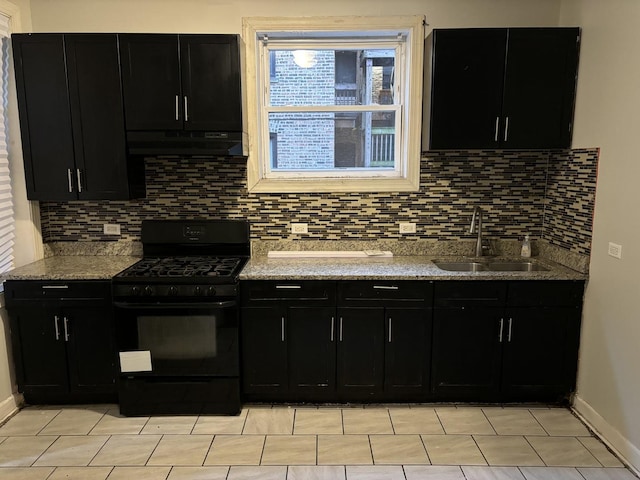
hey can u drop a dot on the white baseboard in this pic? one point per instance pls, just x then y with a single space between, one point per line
9 406
621 446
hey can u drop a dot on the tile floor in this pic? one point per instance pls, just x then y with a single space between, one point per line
395 442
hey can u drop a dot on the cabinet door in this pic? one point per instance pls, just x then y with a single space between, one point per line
97 116
45 119
407 350
39 350
90 348
311 340
264 350
467 85
151 81
360 352
211 82
539 352
467 349
540 87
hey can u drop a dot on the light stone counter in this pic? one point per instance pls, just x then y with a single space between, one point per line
73 267
395 268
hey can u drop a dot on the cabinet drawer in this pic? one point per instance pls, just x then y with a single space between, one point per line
23 291
269 291
545 293
471 293
385 292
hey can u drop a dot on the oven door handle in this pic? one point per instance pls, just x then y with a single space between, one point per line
159 306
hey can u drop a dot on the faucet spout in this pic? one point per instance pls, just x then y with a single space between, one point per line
476 222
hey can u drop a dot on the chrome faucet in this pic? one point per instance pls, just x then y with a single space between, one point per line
476 222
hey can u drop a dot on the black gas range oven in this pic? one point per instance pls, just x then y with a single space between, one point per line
177 319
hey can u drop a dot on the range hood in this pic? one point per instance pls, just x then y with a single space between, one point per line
184 144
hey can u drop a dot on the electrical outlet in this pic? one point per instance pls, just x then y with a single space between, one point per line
299 228
615 250
407 228
111 229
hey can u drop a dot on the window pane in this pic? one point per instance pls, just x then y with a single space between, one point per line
323 141
332 77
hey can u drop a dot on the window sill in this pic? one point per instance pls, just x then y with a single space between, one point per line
334 185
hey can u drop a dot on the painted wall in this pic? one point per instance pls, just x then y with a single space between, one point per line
607 109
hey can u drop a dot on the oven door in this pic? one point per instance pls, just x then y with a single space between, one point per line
178 339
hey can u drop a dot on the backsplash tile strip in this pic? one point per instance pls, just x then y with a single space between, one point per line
510 186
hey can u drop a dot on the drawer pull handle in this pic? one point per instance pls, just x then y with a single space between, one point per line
509 333
55 287
282 329
66 329
389 329
55 323
500 334
385 287
340 328
288 287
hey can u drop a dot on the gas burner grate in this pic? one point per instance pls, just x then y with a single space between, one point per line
187 266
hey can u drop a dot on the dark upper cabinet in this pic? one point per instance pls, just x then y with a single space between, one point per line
181 82
72 118
503 88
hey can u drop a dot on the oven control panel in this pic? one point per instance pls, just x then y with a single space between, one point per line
170 291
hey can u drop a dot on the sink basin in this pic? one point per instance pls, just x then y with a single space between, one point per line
517 267
462 266
496 266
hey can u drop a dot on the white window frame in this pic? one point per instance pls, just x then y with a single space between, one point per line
309 32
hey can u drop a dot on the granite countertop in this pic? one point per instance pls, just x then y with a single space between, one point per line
394 268
73 267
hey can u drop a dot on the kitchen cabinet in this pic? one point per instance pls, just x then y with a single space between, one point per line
62 339
288 340
181 82
72 118
384 339
505 341
503 88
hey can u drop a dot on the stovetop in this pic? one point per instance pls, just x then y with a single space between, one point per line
200 268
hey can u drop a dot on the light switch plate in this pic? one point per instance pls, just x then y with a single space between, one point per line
615 250
407 228
111 229
299 228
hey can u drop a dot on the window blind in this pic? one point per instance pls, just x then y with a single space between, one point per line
7 226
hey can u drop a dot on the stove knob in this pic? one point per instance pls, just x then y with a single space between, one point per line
148 290
211 291
197 290
173 290
135 291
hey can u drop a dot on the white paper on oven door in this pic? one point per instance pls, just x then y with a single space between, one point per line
138 361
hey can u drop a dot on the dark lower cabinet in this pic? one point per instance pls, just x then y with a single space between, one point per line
467 354
63 346
524 347
360 352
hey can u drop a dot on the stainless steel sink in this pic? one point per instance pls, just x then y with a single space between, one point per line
462 266
495 266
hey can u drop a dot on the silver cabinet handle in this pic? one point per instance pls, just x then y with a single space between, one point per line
66 329
177 107
500 334
340 329
55 323
385 287
389 329
79 180
69 177
61 287
288 287
186 109
509 333
333 321
506 128
282 330
497 128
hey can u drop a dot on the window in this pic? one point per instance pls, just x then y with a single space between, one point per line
345 109
7 223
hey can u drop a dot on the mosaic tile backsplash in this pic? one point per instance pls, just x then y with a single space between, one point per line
547 194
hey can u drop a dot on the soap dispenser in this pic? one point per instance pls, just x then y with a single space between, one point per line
526 247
